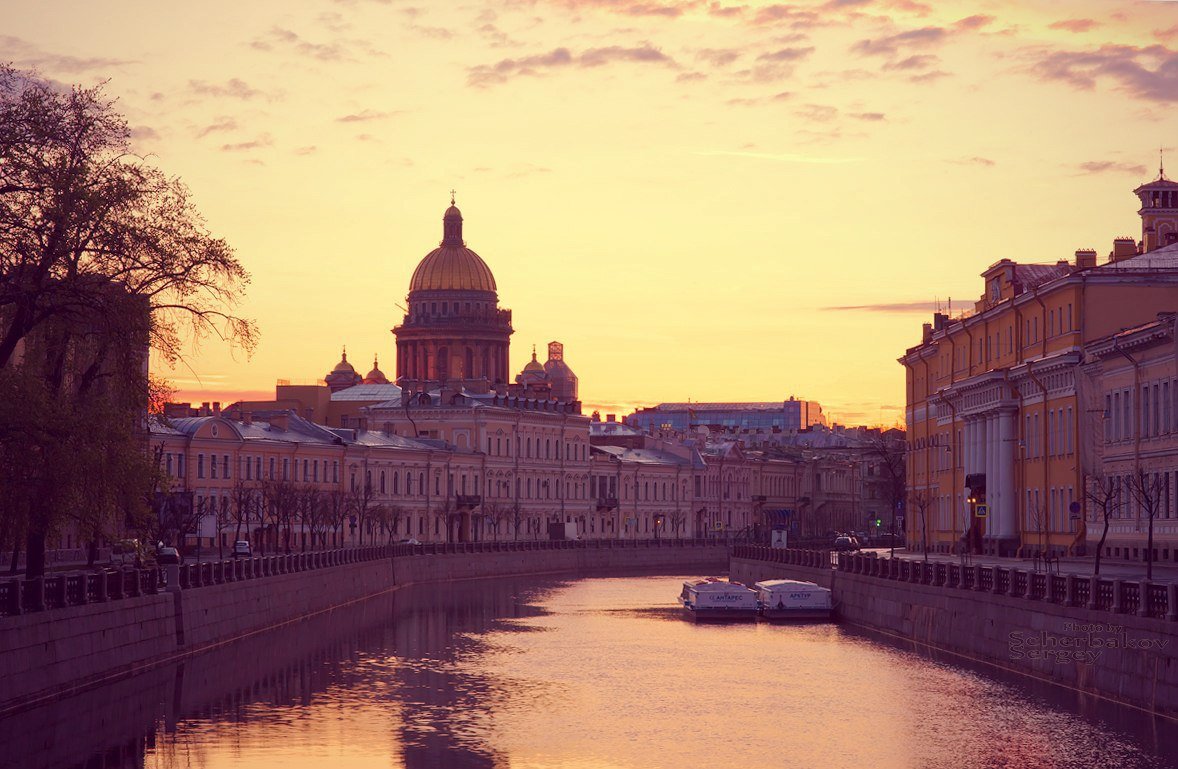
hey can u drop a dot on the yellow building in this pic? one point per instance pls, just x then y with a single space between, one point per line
996 413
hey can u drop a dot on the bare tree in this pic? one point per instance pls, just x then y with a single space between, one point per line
921 502
1104 495
1148 490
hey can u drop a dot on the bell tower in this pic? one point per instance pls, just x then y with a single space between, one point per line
1159 211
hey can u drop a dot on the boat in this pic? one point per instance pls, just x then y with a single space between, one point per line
786 599
714 599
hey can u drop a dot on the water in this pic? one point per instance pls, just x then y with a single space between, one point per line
583 674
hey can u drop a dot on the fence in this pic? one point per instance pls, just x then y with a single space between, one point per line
22 596
1116 596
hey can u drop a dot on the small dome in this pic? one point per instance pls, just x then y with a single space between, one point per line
376 376
534 366
343 367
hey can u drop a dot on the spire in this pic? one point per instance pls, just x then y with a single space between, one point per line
452 225
1161 163
533 352
345 354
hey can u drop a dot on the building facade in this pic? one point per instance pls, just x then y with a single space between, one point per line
1131 382
995 414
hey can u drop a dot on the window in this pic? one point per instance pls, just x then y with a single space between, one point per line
212 466
169 464
1071 436
225 466
200 465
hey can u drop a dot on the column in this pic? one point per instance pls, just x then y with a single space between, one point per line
1007 503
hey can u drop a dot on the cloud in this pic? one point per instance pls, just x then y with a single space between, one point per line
976 21
871 117
818 113
791 16
718 57
667 9
690 77
1149 73
976 160
234 88
310 149
752 102
1166 35
283 39
1075 25
145 133
1113 166
893 307
365 116
787 54
220 124
562 58
259 143
786 157
916 61
891 45
24 54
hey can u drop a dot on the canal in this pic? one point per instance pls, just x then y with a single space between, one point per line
585 674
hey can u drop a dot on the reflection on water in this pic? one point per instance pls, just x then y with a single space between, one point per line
597 673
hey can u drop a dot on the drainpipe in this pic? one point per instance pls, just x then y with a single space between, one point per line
1137 426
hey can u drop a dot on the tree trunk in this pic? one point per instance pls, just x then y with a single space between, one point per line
12 569
1100 548
92 553
35 554
1149 551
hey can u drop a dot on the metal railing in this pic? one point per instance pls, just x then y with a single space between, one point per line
1118 596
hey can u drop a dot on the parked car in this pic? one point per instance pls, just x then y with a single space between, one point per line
409 541
844 544
168 556
126 552
241 549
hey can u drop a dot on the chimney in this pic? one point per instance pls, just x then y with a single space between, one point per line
611 417
280 421
217 408
1123 248
204 408
1085 258
926 333
247 418
940 320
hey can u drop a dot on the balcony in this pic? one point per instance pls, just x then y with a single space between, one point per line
468 500
607 503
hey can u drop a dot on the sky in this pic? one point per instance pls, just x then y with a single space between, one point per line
714 201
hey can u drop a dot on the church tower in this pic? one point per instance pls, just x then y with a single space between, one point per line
454 329
1159 212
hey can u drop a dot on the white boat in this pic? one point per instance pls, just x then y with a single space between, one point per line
789 599
716 599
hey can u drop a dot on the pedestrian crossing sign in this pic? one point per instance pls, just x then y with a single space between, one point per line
982 511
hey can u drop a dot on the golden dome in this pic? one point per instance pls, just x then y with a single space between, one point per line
452 266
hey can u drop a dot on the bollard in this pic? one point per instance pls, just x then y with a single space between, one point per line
1093 592
1172 602
1012 587
996 585
1069 594
1049 589
1116 607
172 575
1143 590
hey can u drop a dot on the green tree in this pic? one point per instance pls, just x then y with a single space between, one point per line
101 256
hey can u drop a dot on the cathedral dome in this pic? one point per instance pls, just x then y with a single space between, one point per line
452 266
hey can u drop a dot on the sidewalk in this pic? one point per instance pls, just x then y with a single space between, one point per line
1109 568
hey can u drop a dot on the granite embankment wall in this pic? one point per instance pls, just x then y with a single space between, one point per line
48 654
1120 656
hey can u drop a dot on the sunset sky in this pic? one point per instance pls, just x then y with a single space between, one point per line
701 200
